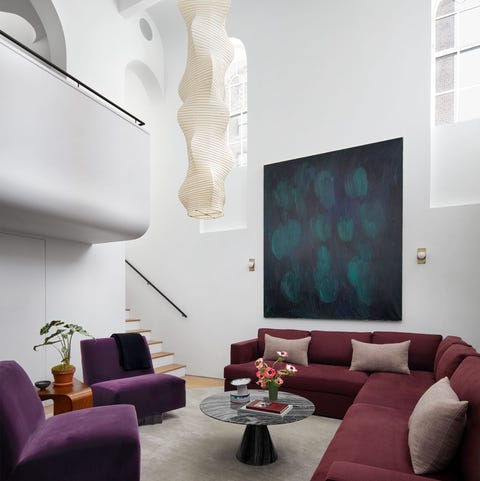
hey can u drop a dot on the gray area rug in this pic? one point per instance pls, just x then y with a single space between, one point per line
190 446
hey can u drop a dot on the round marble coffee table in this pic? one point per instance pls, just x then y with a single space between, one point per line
256 447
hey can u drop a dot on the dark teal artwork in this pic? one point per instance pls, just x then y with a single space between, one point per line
333 234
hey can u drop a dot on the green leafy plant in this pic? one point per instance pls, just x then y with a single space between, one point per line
59 335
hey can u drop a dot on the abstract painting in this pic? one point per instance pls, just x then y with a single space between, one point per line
333 234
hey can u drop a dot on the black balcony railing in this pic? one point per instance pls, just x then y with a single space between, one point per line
79 83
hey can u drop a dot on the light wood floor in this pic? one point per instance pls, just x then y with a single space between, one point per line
192 382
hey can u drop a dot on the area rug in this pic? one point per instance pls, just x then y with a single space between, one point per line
190 446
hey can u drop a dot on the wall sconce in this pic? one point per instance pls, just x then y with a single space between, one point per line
251 264
421 255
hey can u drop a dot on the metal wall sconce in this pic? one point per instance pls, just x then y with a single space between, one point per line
251 264
421 255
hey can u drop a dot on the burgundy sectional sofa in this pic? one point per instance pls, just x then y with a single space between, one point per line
372 441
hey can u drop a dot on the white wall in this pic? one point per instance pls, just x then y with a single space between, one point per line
455 165
45 279
322 76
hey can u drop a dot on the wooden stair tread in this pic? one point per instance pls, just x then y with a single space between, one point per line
139 331
153 341
161 354
132 320
168 367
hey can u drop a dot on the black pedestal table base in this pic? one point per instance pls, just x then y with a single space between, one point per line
256 447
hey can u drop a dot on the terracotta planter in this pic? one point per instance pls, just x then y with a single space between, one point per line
63 378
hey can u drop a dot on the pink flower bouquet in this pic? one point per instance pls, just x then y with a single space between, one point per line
271 378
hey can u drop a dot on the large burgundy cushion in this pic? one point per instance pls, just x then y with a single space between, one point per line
451 359
371 435
423 347
282 333
466 383
395 390
327 378
334 347
315 377
444 345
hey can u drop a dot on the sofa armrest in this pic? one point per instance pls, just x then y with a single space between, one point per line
244 351
347 471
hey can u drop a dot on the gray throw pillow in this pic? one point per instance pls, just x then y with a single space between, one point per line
435 428
297 349
380 357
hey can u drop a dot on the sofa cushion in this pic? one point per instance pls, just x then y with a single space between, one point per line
283 333
422 350
395 390
380 357
316 377
435 428
451 359
297 349
370 435
466 383
334 347
327 378
444 345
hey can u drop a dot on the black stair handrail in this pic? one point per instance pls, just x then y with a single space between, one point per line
149 283
71 77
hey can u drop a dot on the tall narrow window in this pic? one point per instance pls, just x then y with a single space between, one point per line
235 212
457 61
236 98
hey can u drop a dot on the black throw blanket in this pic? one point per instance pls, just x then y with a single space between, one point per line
132 350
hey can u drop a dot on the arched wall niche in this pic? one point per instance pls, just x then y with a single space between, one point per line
142 90
42 16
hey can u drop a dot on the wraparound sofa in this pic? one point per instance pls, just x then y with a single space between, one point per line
372 441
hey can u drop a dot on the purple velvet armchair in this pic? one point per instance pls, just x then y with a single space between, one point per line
151 394
95 444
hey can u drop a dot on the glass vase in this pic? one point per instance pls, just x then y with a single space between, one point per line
273 391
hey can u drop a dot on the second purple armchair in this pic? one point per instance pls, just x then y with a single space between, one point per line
151 394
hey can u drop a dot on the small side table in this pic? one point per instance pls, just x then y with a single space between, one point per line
68 398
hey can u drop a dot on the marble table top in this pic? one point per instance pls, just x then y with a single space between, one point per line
219 407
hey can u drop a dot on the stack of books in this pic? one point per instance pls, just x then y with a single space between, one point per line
267 407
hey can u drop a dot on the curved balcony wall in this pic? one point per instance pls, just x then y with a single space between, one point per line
71 167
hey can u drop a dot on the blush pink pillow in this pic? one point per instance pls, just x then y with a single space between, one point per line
380 357
435 428
297 349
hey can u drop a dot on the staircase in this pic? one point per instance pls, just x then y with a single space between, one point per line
162 360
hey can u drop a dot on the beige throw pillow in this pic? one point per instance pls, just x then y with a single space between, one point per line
435 428
380 357
297 349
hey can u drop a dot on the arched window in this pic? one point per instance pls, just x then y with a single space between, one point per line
236 182
457 61
236 99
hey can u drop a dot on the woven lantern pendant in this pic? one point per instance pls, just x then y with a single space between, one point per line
204 117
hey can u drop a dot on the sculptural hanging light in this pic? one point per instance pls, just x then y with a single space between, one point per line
204 117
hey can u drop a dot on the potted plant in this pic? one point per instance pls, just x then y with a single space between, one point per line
59 335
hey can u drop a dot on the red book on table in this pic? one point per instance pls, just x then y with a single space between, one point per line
268 407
